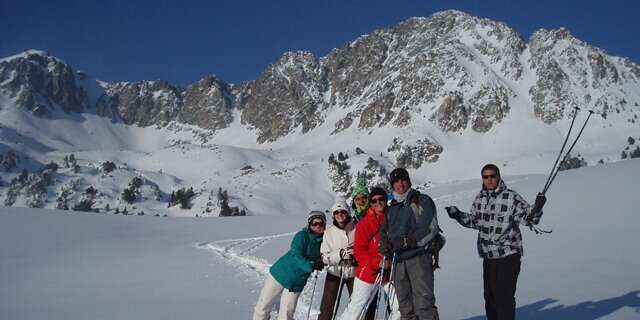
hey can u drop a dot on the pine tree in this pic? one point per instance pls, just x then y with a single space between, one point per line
128 195
108 166
635 153
84 205
332 158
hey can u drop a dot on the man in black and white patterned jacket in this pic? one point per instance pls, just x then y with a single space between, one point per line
497 213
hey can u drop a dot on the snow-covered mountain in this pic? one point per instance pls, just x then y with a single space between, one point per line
441 95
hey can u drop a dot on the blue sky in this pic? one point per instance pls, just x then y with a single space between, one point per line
182 41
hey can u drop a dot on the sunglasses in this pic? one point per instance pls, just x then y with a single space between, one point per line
317 224
376 200
489 176
340 211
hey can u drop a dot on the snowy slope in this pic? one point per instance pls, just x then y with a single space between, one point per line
57 265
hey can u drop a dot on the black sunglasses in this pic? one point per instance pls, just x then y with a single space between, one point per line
376 200
340 211
316 224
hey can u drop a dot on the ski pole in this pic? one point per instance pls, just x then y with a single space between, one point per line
312 294
380 287
372 294
544 191
335 305
392 275
566 138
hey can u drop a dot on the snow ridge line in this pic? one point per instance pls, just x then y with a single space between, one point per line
236 253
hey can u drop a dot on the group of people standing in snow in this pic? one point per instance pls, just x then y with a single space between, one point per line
384 249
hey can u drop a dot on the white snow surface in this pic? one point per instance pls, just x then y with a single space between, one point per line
68 265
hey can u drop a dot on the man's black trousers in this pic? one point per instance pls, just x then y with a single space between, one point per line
500 280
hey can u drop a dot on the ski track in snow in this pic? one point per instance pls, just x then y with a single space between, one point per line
237 254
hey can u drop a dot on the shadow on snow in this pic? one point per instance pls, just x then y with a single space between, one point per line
588 310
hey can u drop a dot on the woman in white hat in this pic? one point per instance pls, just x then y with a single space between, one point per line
337 254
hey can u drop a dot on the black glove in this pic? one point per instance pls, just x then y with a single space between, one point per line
352 262
385 247
540 201
317 264
453 212
404 243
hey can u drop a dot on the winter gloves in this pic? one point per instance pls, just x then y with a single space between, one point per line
386 247
404 244
346 253
347 257
540 201
453 212
317 264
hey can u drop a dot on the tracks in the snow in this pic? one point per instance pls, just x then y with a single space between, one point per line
238 254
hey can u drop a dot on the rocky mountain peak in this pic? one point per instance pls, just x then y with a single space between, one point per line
146 102
41 83
207 104
571 73
286 95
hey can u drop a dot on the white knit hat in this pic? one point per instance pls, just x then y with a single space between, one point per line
339 205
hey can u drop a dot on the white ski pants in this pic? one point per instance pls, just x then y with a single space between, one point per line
268 297
359 297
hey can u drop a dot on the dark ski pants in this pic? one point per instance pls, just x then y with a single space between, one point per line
500 280
330 294
414 286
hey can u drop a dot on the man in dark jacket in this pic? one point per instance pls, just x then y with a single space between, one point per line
497 213
410 231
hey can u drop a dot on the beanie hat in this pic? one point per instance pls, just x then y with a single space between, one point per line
315 214
360 187
377 191
491 166
340 204
397 174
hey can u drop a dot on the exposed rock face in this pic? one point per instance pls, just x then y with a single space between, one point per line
490 106
285 96
207 104
39 83
413 156
570 73
451 115
388 76
146 103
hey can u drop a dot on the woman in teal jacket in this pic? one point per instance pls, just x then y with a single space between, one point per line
290 273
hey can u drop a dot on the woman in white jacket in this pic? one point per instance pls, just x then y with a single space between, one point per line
337 254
